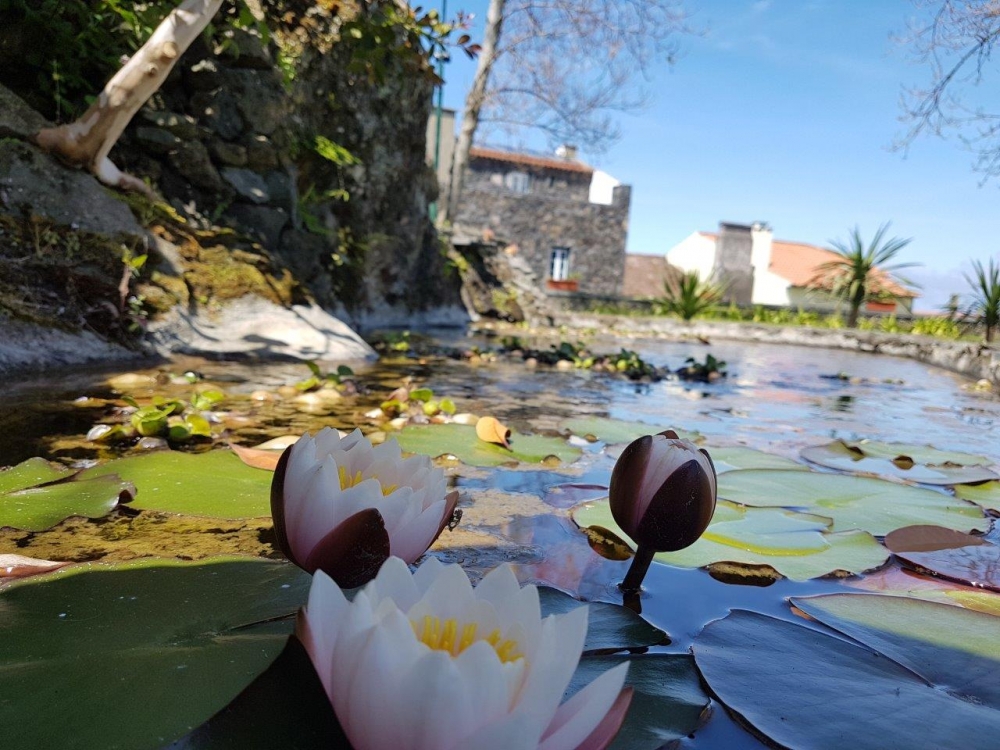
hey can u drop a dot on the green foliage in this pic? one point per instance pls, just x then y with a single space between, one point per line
320 379
689 296
630 364
985 297
175 420
710 369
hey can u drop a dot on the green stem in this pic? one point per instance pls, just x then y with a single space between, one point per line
637 571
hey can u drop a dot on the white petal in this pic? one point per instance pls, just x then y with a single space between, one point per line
553 663
510 733
426 574
394 582
487 682
580 715
447 597
434 711
412 539
324 614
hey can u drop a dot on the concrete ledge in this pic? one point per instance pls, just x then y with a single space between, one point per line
973 360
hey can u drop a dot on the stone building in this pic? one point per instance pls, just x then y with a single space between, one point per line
566 219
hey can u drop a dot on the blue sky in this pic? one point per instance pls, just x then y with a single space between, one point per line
785 111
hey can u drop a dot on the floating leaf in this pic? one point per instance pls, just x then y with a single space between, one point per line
460 441
948 553
610 627
804 688
873 458
491 430
667 703
256 457
568 495
421 394
208 399
174 642
31 473
40 508
903 582
921 454
737 457
796 545
873 505
19 566
618 431
986 495
214 484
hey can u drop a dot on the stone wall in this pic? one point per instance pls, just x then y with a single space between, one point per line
733 268
547 217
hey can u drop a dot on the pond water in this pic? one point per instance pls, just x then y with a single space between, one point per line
778 399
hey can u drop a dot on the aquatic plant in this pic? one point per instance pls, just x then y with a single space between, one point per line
662 494
707 371
985 297
343 506
409 644
689 296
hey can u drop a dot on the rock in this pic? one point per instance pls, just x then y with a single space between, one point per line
26 347
219 110
192 161
230 154
263 108
263 221
261 154
246 49
17 119
34 184
182 126
248 184
281 189
157 140
252 327
203 76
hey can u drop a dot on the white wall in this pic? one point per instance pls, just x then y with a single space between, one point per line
694 253
602 188
768 288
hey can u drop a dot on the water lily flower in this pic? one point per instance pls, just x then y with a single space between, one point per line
662 494
424 661
343 506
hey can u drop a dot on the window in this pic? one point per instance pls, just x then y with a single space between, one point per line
559 264
517 182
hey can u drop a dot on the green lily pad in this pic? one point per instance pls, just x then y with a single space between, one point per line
796 545
902 582
804 688
986 495
873 505
878 458
610 627
174 642
738 457
31 473
215 484
949 554
667 703
40 508
460 441
619 431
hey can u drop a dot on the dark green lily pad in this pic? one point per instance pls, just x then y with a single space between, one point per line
136 655
31 473
667 703
619 431
928 466
460 441
610 627
215 484
796 545
873 505
40 508
986 495
804 688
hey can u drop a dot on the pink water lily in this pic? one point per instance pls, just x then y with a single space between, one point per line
342 506
424 661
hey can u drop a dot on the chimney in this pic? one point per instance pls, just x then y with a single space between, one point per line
567 152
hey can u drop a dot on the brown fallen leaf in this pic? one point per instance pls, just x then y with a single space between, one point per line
258 458
491 430
19 566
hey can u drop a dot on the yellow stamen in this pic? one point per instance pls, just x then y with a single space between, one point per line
388 489
448 636
347 481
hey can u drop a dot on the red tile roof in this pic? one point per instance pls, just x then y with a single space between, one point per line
646 275
531 160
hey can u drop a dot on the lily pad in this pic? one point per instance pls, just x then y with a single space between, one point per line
796 545
986 495
619 431
667 703
873 505
610 627
31 473
941 467
902 582
173 642
738 457
460 441
40 508
804 688
215 484
949 554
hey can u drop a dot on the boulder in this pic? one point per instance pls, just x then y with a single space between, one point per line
248 185
192 161
17 119
27 347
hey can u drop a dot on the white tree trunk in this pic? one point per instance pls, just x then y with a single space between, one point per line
473 105
88 141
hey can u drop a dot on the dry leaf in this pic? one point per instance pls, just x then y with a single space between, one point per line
491 430
19 566
256 457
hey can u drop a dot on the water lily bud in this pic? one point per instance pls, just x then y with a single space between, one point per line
663 492
424 661
343 506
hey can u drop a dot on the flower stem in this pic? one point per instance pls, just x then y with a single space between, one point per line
637 571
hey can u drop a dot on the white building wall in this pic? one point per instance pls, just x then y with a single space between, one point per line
768 287
602 188
694 253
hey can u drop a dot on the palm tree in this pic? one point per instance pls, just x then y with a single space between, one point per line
688 296
985 297
860 273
